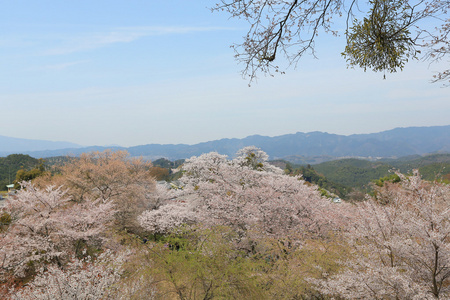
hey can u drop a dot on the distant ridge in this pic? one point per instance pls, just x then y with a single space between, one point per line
397 142
16 145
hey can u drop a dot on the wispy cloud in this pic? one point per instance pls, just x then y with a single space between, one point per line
120 35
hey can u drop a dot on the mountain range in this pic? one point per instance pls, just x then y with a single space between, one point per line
12 145
298 147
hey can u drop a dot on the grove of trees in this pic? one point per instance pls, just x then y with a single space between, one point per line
99 227
10 165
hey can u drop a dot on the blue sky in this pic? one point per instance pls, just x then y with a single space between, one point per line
139 72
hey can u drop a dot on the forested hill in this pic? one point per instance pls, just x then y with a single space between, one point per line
324 146
11 164
357 173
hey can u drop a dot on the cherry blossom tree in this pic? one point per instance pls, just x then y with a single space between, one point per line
245 193
46 226
401 245
107 175
110 176
255 159
81 279
88 278
265 231
51 235
167 217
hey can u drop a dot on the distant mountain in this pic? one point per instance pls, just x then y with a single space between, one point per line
322 146
69 151
393 143
10 145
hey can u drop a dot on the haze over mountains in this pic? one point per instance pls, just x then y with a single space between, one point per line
397 142
16 145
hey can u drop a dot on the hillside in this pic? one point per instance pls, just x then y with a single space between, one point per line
11 164
358 173
354 173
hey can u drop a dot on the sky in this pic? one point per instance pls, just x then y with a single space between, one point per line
144 71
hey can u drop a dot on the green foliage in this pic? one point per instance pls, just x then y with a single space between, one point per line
325 185
11 164
436 171
24 175
431 167
355 173
288 277
406 164
325 193
160 173
382 40
165 163
202 264
168 166
5 220
288 168
209 263
393 178
348 177
253 162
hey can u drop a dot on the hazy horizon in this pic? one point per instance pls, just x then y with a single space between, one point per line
205 141
136 73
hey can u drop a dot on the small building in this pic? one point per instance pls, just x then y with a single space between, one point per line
336 200
10 188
